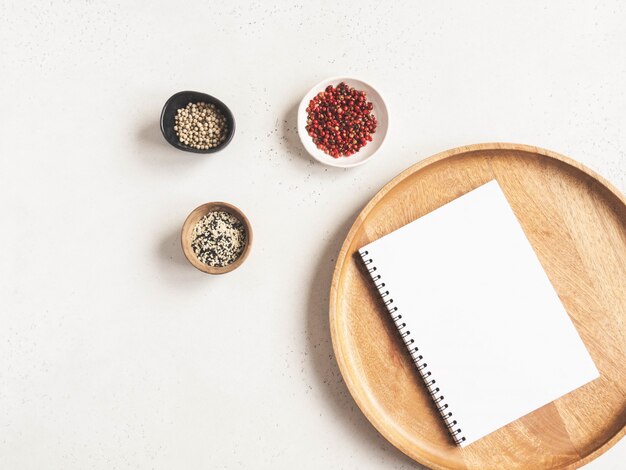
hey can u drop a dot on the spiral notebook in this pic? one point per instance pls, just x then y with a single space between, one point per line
479 316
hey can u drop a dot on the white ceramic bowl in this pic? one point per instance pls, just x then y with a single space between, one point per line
366 152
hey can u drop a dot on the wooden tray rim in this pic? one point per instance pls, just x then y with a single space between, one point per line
354 387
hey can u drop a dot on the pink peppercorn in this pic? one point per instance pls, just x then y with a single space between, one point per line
340 120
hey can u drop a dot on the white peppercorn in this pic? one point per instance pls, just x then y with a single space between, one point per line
200 125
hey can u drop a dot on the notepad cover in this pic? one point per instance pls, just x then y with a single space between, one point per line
485 319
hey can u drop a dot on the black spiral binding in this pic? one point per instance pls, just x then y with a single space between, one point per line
418 359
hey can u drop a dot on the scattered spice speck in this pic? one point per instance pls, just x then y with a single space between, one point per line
218 239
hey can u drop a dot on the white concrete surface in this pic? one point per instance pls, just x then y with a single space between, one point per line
117 354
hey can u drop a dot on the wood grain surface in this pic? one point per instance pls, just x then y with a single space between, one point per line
576 222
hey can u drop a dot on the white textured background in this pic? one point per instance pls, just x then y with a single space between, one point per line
114 352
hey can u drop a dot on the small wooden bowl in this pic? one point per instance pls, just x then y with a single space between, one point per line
187 232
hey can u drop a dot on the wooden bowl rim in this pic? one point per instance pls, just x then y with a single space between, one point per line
356 390
190 222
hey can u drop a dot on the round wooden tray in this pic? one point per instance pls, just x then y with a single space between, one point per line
576 221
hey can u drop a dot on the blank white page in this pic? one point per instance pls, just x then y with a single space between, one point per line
482 311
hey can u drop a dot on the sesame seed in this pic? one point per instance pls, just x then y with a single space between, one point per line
218 239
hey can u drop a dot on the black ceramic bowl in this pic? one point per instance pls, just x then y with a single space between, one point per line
182 99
